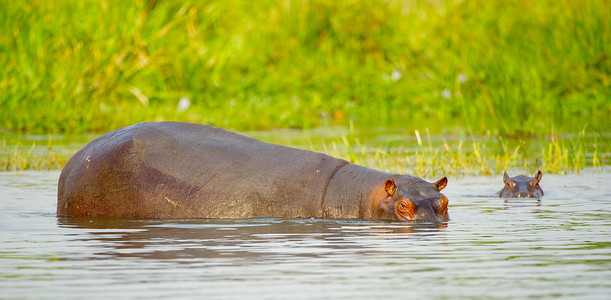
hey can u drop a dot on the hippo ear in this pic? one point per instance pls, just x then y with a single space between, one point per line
505 177
389 186
441 184
538 176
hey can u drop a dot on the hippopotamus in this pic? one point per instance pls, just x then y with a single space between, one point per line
176 170
522 186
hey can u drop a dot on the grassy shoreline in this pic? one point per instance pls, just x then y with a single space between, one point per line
419 154
505 71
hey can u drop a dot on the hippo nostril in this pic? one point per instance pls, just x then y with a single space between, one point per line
428 214
430 218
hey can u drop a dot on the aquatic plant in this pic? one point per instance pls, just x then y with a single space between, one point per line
449 157
24 157
477 156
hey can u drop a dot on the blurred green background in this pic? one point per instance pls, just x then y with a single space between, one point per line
502 67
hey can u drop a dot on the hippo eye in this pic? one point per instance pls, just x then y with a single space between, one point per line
511 184
405 208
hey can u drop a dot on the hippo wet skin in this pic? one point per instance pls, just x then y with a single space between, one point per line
522 186
174 170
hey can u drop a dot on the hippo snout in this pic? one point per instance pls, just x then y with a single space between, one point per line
427 213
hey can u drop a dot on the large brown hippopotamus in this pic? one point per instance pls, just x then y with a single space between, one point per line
522 186
174 170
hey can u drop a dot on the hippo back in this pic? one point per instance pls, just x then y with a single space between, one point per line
184 170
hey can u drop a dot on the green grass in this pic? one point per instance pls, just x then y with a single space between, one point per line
501 67
512 84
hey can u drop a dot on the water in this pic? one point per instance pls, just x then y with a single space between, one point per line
559 247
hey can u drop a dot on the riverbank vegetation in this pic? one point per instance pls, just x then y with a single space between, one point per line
509 67
521 84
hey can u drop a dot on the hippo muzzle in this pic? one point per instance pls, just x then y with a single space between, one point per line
430 210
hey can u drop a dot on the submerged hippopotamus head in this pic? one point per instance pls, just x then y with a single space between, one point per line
522 186
416 200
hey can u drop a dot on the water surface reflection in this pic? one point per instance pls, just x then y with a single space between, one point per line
558 246
244 239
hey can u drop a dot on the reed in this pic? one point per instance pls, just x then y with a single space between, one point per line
429 158
21 157
476 157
